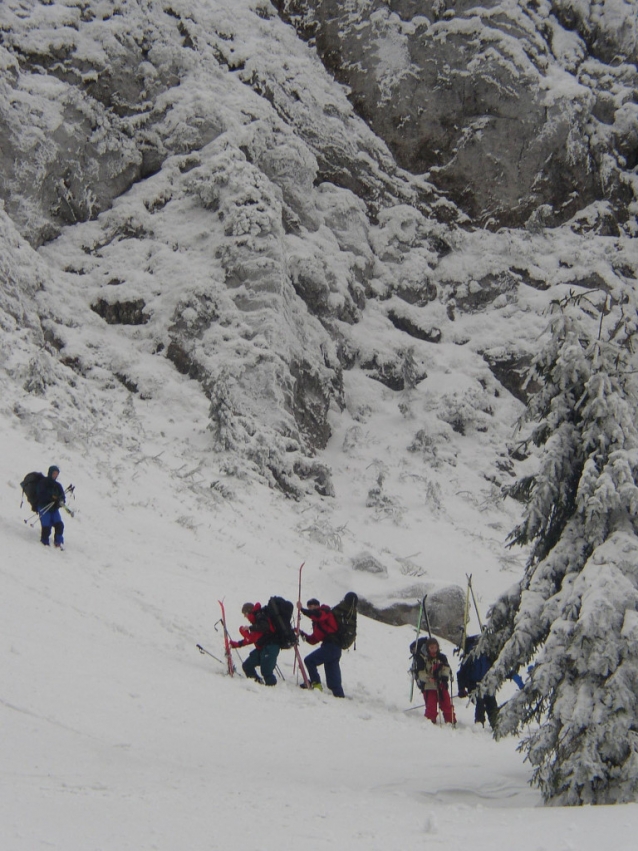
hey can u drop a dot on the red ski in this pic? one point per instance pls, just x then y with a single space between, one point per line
228 651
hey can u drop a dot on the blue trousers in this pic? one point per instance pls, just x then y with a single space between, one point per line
47 520
327 655
264 658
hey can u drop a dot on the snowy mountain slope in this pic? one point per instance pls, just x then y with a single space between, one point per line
118 734
241 254
121 735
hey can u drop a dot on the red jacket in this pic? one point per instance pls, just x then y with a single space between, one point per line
324 624
260 632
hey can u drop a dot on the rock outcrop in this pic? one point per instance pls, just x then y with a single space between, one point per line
507 106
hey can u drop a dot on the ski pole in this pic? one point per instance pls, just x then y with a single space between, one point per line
452 700
469 580
39 512
208 653
466 614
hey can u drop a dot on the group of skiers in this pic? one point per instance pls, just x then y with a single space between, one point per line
264 635
430 667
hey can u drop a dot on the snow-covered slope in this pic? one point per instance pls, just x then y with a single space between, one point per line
118 734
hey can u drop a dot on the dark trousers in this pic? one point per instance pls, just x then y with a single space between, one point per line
327 655
486 705
50 519
264 658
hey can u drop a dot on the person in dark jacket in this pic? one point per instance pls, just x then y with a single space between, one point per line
433 675
324 631
471 671
261 633
50 496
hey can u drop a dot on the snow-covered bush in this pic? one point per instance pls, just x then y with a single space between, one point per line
466 411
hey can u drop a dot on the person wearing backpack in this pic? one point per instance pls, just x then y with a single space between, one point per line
471 671
433 676
49 497
324 631
262 634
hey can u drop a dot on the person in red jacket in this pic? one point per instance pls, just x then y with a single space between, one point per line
324 630
262 634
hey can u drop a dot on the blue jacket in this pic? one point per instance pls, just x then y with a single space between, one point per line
50 491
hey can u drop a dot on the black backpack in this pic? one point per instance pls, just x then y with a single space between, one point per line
417 650
345 614
280 612
29 487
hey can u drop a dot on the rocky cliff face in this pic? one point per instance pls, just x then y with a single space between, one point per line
188 191
96 97
510 107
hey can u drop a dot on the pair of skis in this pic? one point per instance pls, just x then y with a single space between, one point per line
298 663
228 650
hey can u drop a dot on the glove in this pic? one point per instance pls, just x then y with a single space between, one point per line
462 692
304 636
236 644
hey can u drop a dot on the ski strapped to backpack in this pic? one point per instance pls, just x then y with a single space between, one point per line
345 614
414 647
280 612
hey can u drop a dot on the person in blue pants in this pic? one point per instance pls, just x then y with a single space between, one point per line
324 631
50 496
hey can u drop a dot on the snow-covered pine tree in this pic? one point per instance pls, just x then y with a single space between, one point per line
574 615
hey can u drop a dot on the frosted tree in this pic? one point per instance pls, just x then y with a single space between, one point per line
574 615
